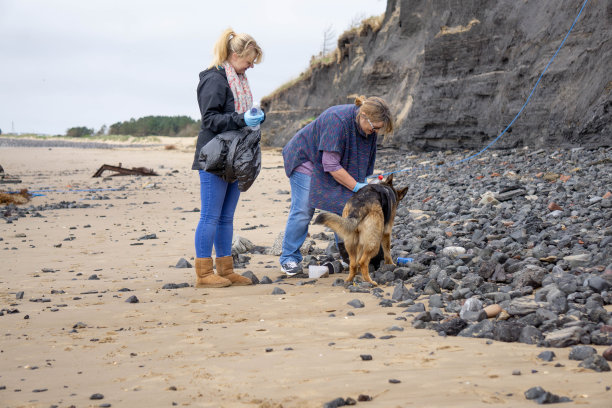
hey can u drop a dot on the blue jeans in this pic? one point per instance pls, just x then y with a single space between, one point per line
300 215
216 225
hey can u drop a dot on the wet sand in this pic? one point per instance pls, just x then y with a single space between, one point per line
229 347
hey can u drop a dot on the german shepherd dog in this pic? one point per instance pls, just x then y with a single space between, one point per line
366 224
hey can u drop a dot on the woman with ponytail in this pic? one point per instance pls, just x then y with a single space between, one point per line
225 100
326 162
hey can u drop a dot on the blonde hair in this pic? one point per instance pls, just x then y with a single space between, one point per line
377 110
242 44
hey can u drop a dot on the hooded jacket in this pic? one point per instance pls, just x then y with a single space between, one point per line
216 102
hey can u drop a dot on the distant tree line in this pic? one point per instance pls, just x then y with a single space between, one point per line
155 126
180 126
79 131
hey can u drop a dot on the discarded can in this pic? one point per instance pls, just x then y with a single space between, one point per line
404 261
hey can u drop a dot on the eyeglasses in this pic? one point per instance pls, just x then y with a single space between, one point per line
374 128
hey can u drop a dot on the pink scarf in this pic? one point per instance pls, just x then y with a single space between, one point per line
243 98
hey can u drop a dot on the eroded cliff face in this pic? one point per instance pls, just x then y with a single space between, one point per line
457 72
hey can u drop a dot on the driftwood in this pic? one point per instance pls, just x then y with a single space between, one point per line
122 171
5 178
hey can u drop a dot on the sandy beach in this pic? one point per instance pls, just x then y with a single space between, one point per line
72 336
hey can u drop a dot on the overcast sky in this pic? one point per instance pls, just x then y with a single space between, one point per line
67 63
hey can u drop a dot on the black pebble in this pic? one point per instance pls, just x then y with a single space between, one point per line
96 396
132 299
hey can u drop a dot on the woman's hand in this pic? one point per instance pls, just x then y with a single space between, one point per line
253 120
344 178
359 186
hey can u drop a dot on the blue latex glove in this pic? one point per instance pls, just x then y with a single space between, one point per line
359 186
253 120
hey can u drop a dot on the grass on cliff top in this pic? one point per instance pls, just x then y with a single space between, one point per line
373 24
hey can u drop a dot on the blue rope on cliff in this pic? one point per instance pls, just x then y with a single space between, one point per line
513 120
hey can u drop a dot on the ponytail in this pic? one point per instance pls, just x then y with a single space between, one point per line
241 44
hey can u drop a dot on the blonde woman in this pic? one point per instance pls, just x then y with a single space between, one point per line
326 162
225 100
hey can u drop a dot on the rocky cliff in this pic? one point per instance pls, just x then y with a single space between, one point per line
457 72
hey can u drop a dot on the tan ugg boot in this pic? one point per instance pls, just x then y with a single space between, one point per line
225 268
206 278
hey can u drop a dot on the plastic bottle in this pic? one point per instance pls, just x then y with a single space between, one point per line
404 261
255 110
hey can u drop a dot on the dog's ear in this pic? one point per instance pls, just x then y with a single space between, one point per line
389 180
402 193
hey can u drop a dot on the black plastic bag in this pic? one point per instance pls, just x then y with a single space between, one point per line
233 155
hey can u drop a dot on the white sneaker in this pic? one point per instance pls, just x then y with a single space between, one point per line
291 268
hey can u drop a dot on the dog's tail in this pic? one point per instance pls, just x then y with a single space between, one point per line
344 227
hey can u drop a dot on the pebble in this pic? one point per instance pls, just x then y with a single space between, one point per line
96 396
132 299
547 355
544 397
183 263
595 363
493 241
607 354
175 285
338 402
366 357
581 352
278 291
356 303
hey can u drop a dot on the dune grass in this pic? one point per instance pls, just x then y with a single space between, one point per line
89 138
373 24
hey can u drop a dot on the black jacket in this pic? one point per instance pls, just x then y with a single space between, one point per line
216 103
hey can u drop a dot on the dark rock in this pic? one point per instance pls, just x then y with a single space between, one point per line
278 291
416 308
547 355
356 303
266 281
175 285
544 397
132 299
366 357
482 329
96 397
507 331
581 352
338 402
564 337
183 263
530 335
452 327
252 277
522 306
595 363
